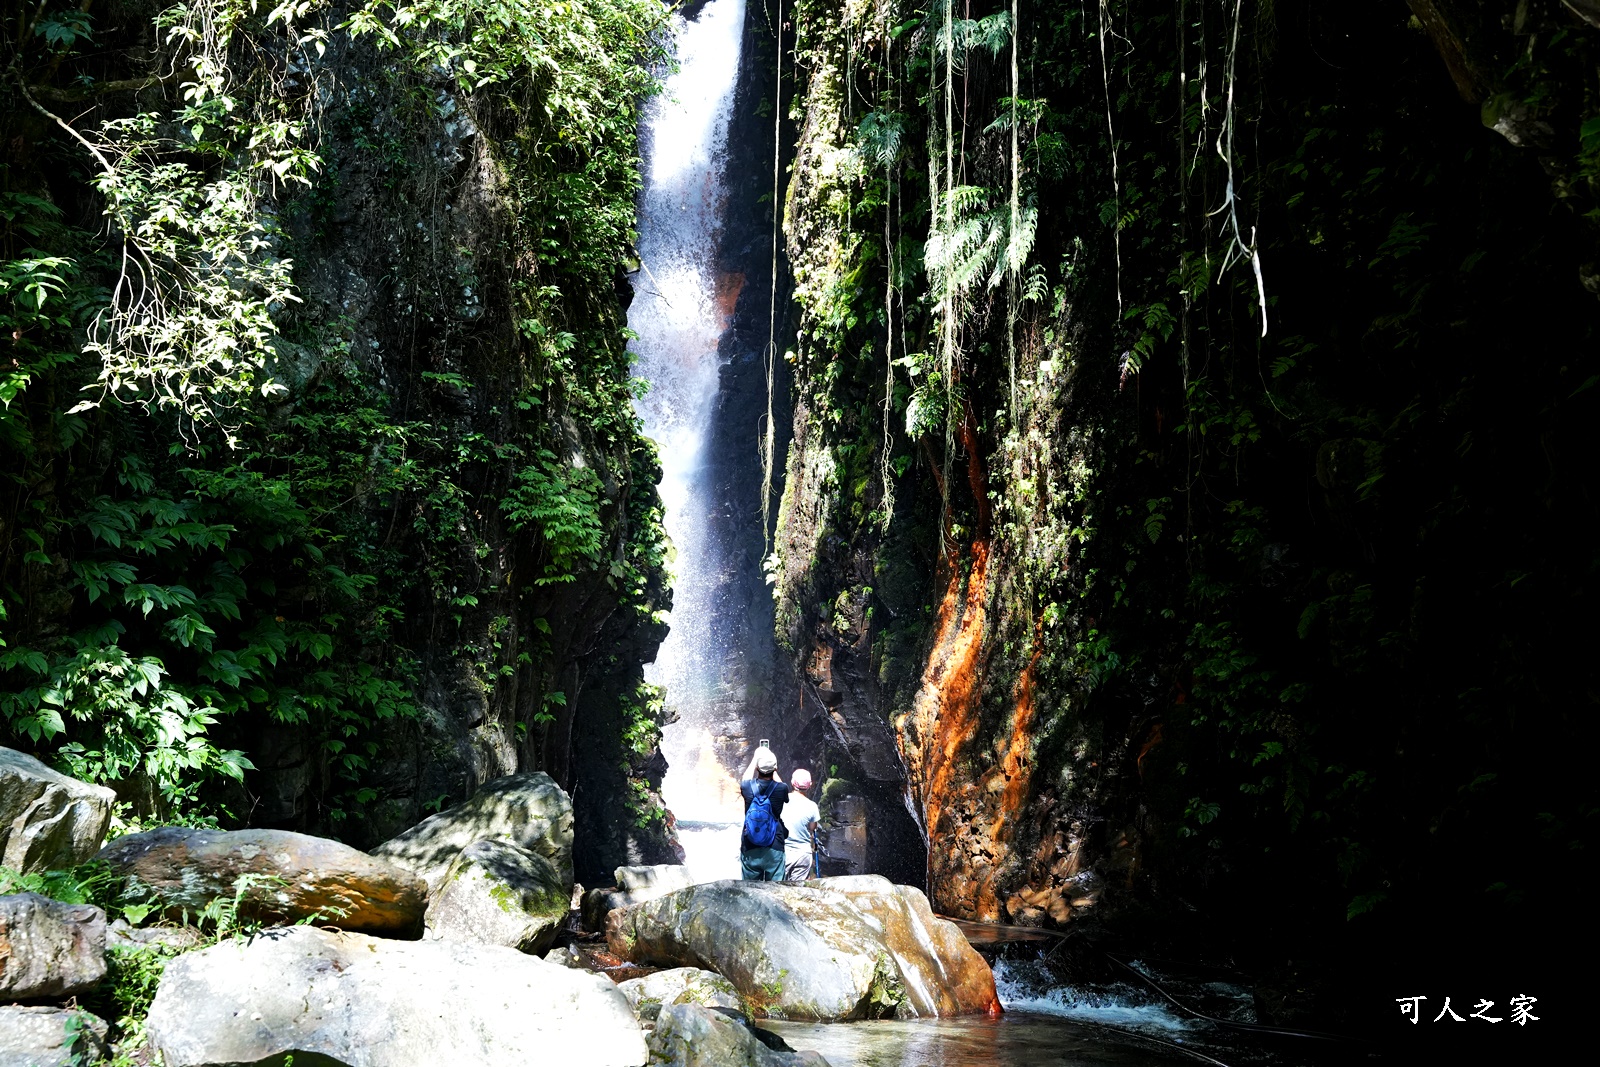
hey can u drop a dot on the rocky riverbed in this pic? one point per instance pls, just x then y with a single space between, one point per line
462 940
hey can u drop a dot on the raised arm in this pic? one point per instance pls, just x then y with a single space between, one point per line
750 771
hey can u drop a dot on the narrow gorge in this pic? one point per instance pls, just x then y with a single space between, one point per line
1135 456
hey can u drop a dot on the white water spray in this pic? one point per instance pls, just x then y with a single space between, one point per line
680 311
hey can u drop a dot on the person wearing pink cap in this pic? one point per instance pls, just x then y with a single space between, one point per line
800 817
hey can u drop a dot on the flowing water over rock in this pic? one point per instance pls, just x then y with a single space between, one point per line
690 349
1012 1040
1046 1024
685 297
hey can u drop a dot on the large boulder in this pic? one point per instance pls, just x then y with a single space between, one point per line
49 949
831 949
48 820
374 1002
50 1037
680 985
635 885
526 809
291 876
687 1035
498 893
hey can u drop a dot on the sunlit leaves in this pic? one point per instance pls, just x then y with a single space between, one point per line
978 245
562 505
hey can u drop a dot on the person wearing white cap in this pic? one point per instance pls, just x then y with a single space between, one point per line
761 844
800 817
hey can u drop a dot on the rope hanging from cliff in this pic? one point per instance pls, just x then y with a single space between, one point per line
948 308
885 464
1116 178
769 437
1012 266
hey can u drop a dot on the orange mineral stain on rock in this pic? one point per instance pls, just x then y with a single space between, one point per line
1015 763
973 782
945 710
970 761
729 285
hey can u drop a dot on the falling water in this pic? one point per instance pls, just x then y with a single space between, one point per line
681 309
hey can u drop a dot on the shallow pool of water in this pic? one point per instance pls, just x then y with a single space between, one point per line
1016 1039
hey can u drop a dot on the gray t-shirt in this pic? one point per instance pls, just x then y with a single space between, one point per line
800 817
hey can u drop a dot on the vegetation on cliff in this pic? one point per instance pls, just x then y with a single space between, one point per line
1222 379
323 484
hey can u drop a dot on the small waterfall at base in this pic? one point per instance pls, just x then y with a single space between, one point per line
681 309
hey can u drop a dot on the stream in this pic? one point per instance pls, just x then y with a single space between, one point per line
681 311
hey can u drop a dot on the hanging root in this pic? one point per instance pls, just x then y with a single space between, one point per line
769 436
1237 249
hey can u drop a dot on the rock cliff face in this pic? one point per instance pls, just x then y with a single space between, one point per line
438 507
1127 541
424 265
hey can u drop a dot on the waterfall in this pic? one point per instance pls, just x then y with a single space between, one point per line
681 309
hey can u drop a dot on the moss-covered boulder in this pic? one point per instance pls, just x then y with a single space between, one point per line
287 876
679 985
831 949
529 810
499 893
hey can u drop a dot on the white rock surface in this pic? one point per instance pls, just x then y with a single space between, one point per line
371 1002
50 1037
48 820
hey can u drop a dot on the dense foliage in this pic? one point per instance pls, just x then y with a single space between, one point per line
240 508
1267 367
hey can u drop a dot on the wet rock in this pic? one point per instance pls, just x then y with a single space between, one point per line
50 1037
566 956
598 903
687 1035
498 893
49 949
383 1003
680 985
830 949
1031 905
635 885
526 809
294 876
48 820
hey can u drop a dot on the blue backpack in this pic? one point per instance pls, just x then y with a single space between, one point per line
760 825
